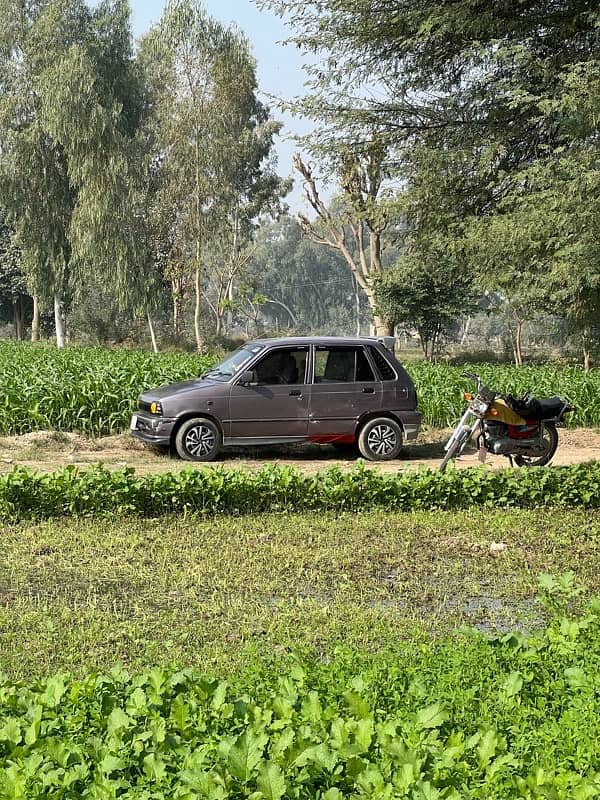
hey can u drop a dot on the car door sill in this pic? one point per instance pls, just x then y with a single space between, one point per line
242 441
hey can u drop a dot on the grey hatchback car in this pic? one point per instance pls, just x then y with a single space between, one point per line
349 392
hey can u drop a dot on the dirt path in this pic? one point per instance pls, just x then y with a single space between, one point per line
48 451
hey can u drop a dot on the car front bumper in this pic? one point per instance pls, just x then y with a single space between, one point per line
151 429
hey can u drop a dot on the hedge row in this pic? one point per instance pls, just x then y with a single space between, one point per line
28 494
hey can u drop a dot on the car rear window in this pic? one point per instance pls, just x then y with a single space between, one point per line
386 372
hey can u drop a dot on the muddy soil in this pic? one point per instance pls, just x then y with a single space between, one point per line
48 451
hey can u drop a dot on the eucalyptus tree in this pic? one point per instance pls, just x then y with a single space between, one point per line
68 114
305 286
250 188
212 136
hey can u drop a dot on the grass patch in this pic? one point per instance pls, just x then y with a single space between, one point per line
222 593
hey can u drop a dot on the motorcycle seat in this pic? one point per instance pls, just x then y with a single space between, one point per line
550 407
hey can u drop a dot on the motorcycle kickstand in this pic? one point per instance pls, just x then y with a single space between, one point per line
510 461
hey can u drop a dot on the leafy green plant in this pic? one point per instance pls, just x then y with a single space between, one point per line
471 717
25 493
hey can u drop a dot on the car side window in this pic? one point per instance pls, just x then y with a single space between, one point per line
384 368
342 365
284 366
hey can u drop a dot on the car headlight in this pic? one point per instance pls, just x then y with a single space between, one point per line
156 408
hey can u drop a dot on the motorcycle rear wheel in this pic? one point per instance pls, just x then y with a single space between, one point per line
550 437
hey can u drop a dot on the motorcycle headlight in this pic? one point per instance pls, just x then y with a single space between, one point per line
478 406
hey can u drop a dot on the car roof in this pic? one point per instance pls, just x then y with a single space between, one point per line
319 340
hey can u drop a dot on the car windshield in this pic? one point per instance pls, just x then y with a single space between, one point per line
233 363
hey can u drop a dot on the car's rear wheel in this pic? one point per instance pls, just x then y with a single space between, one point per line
198 439
380 439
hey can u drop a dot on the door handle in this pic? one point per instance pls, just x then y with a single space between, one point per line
296 393
368 390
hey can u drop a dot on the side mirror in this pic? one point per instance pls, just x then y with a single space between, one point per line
248 376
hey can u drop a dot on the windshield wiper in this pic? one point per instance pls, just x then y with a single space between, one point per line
215 373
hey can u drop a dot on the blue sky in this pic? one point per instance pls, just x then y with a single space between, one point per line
279 67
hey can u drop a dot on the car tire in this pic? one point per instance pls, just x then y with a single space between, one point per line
380 439
198 439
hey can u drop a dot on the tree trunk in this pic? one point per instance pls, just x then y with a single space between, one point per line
357 304
18 318
176 295
465 332
287 309
59 322
229 317
381 326
198 273
518 344
197 307
586 359
587 355
152 334
434 347
35 322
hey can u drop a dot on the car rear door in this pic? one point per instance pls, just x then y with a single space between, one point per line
344 388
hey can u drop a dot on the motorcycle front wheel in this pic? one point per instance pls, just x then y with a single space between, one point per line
549 443
456 447
449 455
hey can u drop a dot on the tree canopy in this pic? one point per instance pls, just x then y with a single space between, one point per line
489 116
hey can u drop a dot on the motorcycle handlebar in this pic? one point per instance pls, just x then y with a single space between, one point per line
472 375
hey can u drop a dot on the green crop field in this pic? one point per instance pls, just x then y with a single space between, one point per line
94 391
440 388
88 390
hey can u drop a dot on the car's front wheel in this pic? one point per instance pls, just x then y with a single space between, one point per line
198 439
380 439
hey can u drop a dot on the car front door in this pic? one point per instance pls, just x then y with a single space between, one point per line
273 407
344 388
